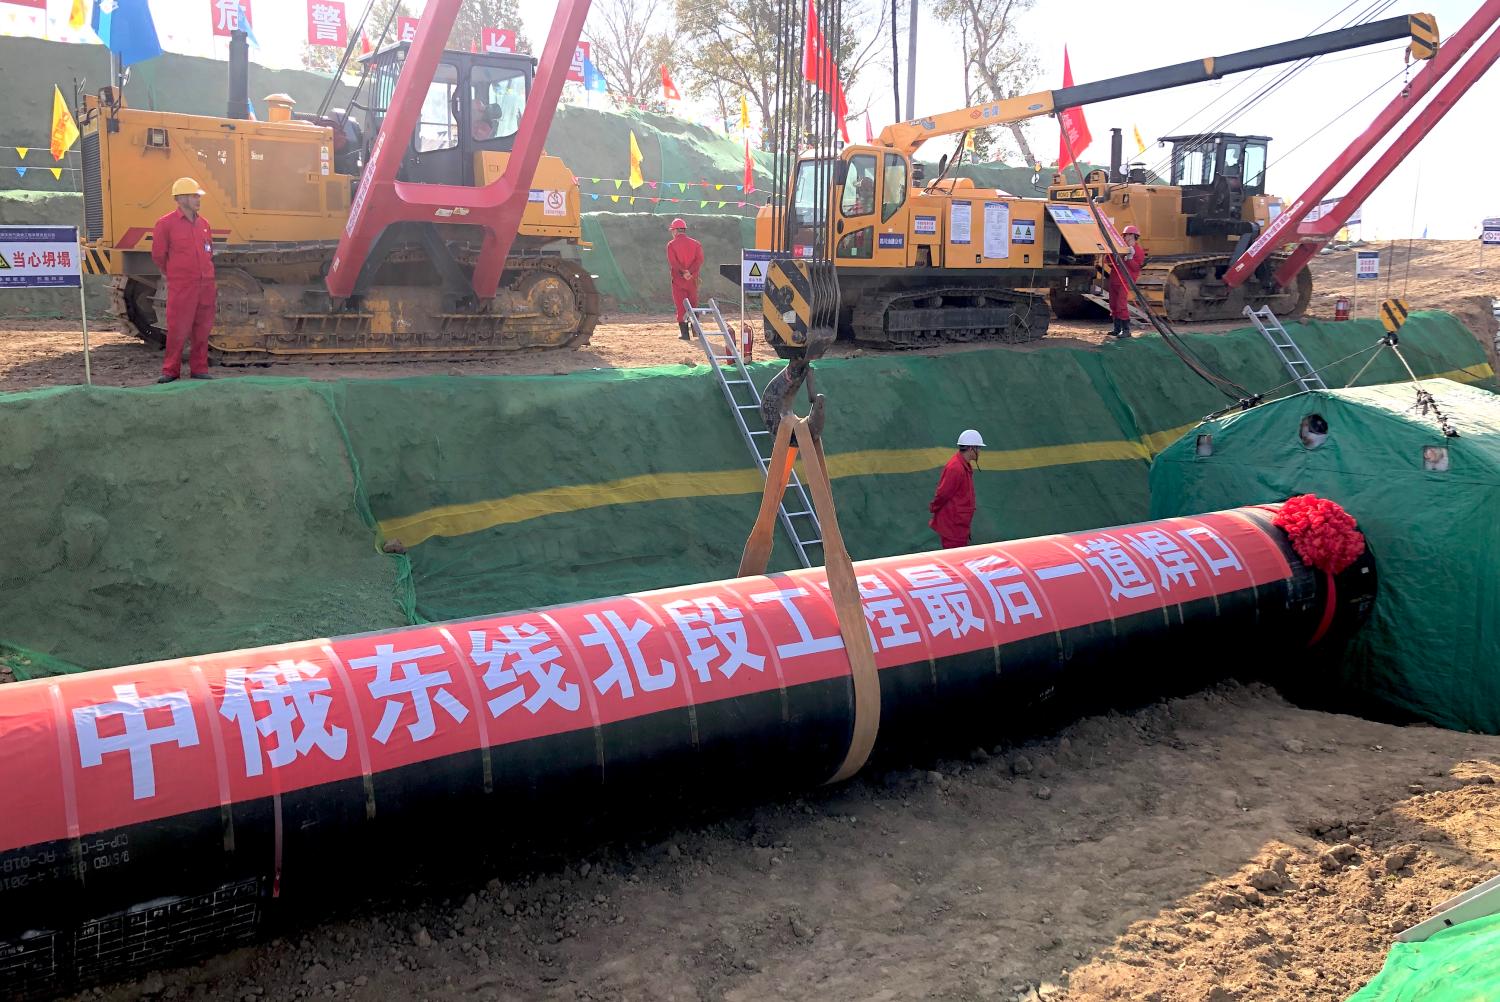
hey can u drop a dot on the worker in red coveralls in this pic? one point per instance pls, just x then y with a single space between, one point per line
953 505
1134 256
685 258
182 245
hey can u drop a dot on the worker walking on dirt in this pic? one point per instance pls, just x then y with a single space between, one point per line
953 505
1134 256
182 245
685 258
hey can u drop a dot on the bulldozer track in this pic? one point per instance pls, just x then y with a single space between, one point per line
1189 289
921 318
246 333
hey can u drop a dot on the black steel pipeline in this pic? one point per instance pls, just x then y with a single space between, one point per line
160 811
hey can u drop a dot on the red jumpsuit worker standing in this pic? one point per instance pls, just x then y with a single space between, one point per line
182 245
685 258
953 505
1134 256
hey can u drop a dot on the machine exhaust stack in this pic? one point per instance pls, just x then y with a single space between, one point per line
239 76
1116 156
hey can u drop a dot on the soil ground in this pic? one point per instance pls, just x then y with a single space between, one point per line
1220 846
1214 847
1443 275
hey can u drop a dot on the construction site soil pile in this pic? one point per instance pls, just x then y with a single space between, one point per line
1224 846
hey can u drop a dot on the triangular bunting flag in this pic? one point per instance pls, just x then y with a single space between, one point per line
740 187
718 187
652 185
618 182
21 171
681 187
740 204
614 198
23 150
654 200
594 196
674 200
702 205
56 173
594 179
721 205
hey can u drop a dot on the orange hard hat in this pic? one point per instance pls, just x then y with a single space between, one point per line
1131 229
678 224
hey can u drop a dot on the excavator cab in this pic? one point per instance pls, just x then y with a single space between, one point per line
473 105
1217 172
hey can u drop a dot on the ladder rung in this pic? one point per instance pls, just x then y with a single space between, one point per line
796 514
747 407
811 542
736 382
757 433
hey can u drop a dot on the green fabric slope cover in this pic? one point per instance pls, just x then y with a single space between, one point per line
1461 964
1430 648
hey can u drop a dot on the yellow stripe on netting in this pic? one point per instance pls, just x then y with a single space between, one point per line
475 516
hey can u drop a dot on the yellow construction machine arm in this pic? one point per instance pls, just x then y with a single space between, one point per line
1420 29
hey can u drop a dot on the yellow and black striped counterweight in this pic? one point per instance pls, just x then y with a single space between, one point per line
800 307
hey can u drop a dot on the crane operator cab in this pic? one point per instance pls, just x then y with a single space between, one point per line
1217 173
472 108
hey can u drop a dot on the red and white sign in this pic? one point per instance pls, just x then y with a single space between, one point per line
497 40
104 749
580 55
226 15
325 23
406 29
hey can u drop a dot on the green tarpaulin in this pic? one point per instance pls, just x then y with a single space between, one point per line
1461 964
1430 510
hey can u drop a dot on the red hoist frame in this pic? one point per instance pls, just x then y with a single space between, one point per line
1310 236
496 207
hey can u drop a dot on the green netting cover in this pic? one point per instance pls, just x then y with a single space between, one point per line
1429 648
1461 964
628 258
167 521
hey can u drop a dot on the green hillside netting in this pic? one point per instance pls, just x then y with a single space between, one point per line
170 521
1428 649
1461 964
629 258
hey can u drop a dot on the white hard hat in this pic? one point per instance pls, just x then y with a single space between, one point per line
970 437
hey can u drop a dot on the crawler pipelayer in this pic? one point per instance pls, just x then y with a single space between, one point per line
425 223
930 261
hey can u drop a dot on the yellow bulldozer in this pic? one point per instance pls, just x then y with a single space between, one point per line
279 194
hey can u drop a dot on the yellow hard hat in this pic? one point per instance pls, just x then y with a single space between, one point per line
186 186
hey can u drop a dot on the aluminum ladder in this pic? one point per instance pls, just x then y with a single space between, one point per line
724 359
1303 373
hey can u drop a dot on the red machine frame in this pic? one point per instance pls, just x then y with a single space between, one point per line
1312 235
495 207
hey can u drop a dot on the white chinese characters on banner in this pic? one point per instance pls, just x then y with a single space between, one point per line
226 16
715 635
325 23
1010 594
133 734
623 644
292 693
806 643
1171 561
885 614
950 609
413 688
1126 578
1201 538
522 651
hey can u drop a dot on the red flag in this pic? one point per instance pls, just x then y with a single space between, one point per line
749 169
668 88
869 131
1072 123
819 69
365 48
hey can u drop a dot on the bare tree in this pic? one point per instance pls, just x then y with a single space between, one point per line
631 40
735 46
1002 60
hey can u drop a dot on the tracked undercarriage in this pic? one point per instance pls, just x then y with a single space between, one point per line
1188 289
956 313
273 307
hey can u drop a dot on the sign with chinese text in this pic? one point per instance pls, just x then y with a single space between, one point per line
226 15
497 40
406 29
1367 264
580 54
325 23
39 257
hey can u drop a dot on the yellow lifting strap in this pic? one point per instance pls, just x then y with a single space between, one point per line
794 431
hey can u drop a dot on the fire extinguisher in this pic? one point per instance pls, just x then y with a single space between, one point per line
747 343
1341 308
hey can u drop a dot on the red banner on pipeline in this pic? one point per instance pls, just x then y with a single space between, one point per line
100 750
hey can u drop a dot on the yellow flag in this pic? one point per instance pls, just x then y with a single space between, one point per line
56 173
969 141
1140 144
78 15
23 150
64 129
744 114
636 178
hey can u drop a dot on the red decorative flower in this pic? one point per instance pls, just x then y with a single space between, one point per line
1324 535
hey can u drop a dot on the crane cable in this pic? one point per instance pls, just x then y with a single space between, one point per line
1225 385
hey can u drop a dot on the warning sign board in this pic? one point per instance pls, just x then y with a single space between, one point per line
39 257
1366 264
753 269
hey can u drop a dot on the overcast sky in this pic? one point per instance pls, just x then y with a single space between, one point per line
1444 188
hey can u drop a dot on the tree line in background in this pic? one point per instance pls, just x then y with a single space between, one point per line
717 51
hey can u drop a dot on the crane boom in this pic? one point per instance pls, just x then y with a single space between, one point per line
908 136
